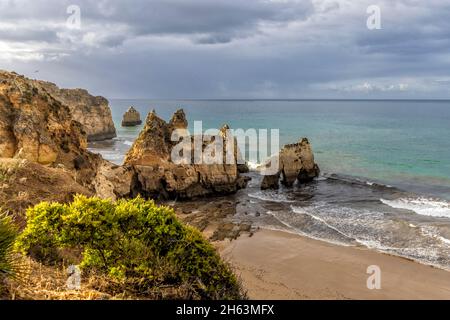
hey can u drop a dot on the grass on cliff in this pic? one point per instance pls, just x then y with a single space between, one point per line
139 247
10 263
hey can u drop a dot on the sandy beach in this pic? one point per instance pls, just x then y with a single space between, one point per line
279 265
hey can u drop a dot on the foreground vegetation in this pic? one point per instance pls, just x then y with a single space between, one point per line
9 263
137 247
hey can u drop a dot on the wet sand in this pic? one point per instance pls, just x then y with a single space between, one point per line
279 265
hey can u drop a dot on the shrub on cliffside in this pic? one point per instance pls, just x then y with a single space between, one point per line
9 265
135 242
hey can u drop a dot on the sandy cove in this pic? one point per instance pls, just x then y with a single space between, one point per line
279 265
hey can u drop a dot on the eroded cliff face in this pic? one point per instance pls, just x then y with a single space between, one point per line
158 177
296 163
92 112
35 126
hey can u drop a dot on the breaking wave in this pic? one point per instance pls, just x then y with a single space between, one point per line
421 205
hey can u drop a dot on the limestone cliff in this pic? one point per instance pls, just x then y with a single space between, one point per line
92 112
296 163
35 126
158 176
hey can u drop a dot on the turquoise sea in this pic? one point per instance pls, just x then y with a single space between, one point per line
385 167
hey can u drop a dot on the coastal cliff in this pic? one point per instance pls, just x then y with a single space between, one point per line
35 126
92 112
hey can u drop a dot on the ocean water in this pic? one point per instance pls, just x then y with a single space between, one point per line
385 165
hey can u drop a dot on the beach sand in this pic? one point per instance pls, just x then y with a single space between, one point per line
279 265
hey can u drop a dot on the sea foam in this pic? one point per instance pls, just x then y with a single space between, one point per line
271 196
423 206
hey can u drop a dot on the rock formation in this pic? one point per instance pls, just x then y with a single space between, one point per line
112 181
131 118
296 163
92 112
158 176
35 126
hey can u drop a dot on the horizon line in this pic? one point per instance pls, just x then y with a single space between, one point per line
283 99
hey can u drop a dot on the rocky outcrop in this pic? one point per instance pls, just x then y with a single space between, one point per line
131 118
270 182
296 163
158 176
35 126
92 112
112 181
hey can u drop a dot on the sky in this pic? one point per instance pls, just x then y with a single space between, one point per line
232 49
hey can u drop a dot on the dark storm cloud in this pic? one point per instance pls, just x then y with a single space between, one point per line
222 18
232 48
218 21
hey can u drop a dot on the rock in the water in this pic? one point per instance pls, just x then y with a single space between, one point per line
131 118
92 112
158 176
296 163
270 182
35 126
178 120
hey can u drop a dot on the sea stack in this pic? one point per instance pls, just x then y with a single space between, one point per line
131 118
156 176
296 163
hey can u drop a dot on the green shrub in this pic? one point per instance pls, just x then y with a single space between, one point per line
9 266
133 241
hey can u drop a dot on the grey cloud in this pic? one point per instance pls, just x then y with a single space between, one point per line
24 35
218 21
414 28
229 49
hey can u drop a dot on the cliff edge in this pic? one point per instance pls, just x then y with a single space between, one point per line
92 112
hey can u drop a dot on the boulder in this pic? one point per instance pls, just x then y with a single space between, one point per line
296 163
157 176
113 181
92 112
270 182
131 118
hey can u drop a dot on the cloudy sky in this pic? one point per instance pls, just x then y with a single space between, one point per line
231 48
